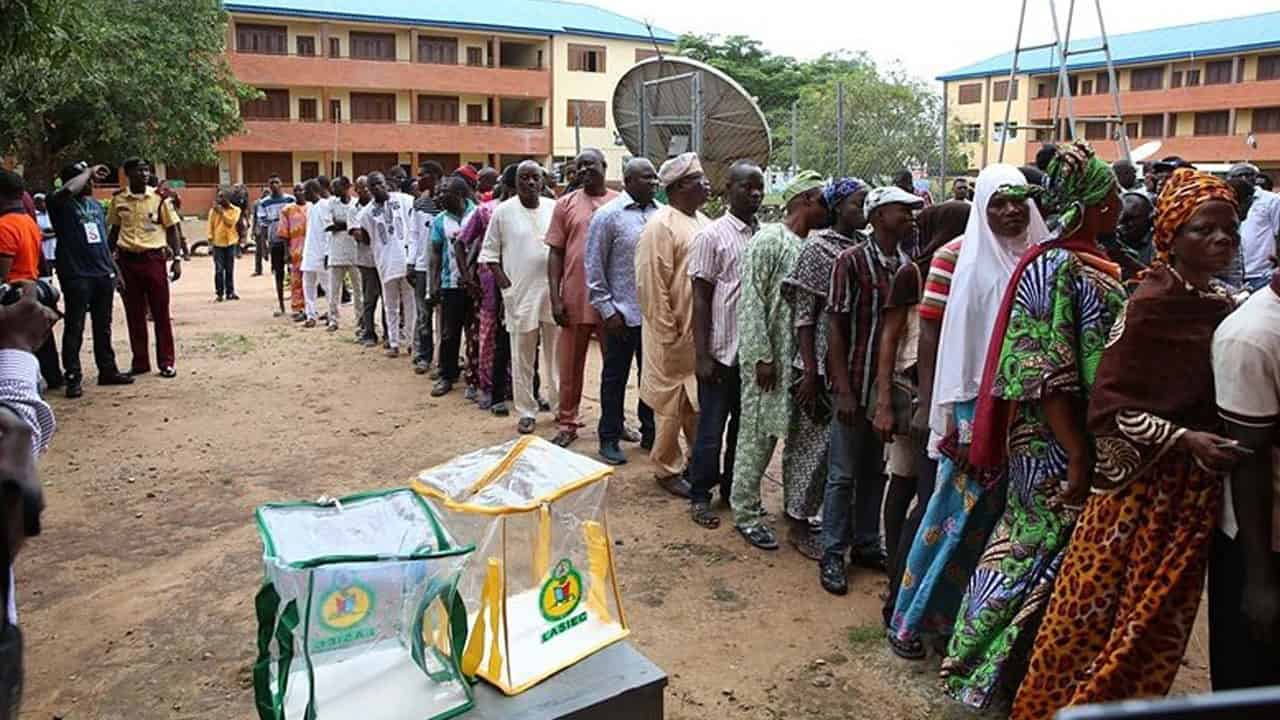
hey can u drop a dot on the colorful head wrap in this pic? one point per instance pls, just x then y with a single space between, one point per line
837 190
803 182
1077 179
1183 193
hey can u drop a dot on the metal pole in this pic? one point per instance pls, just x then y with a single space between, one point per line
839 128
695 129
1111 74
644 120
1063 85
946 123
1008 92
795 138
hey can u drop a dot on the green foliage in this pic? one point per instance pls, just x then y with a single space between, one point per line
890 118
114 78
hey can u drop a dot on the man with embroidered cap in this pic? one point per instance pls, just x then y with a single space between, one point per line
767 331
665 294
860 284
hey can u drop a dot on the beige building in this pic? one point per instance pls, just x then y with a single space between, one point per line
350 87
1209 93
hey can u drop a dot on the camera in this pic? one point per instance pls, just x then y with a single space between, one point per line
47 294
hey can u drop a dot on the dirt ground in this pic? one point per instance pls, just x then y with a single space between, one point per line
138 600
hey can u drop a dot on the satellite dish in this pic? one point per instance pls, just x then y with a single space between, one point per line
667 105
1144 151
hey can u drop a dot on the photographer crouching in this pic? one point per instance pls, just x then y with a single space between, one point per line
26 426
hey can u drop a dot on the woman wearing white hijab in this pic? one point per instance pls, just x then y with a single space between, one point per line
963 510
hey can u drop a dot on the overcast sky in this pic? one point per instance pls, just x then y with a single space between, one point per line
929 37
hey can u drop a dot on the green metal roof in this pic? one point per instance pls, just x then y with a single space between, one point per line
1216 37
541 17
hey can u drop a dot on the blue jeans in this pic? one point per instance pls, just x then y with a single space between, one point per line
719 401
855 487
1254 284
619 349
224 270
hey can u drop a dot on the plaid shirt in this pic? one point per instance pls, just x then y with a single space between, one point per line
860 283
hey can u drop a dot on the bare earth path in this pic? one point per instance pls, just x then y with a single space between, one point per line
138 600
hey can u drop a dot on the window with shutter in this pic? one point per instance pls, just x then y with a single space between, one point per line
1103 83
1269 67
1219 72
365 163
1086 87
438 109
1175 79
258 167
1193 78
1131 130
273 105
1213 123
192 174
335 111
1000 90
970 93
1152 126
373 46
586 58
335 170
590 112
1096 131
373 107
1266 120
1146 79
475 114
307 109
475 57
335 47
306 46
263 39
309 169
437 50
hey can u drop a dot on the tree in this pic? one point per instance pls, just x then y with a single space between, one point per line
115 78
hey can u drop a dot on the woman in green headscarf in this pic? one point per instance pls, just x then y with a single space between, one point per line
1040 368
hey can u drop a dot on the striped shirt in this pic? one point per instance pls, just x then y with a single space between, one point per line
860 284
717 259
937 286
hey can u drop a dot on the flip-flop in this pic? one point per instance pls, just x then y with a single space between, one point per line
701 514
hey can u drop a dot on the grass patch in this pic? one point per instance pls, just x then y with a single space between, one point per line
862 635
224 344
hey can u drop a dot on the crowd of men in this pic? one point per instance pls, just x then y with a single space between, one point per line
823 332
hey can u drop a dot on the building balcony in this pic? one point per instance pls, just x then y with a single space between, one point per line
264 70
1265 93
1193 148
290 135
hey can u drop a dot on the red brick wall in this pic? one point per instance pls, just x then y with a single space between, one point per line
1213 149
1184 99
273 135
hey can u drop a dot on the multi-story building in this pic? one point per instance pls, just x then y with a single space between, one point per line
350 87
1209 92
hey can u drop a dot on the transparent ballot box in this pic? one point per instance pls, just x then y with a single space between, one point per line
359 615
541 592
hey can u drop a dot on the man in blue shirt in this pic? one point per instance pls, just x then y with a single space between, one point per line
87 273
611 289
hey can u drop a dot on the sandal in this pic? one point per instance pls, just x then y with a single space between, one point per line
905 649
806 543
701 514
525 426
760 536
564 438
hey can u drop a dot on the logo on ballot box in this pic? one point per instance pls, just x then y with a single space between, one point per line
561 593
346 606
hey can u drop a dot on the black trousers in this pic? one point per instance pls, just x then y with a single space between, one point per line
454 307
719 404
1237 658
501 365
424 346
224 270
371 286
926 474
620 348
95 297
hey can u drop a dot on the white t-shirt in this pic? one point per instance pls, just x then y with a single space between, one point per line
388 228
420 241
1258 233
1246 375
316 245
516 238
342 246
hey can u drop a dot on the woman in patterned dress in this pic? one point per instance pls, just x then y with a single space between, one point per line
1129 589
1040 369
962 294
